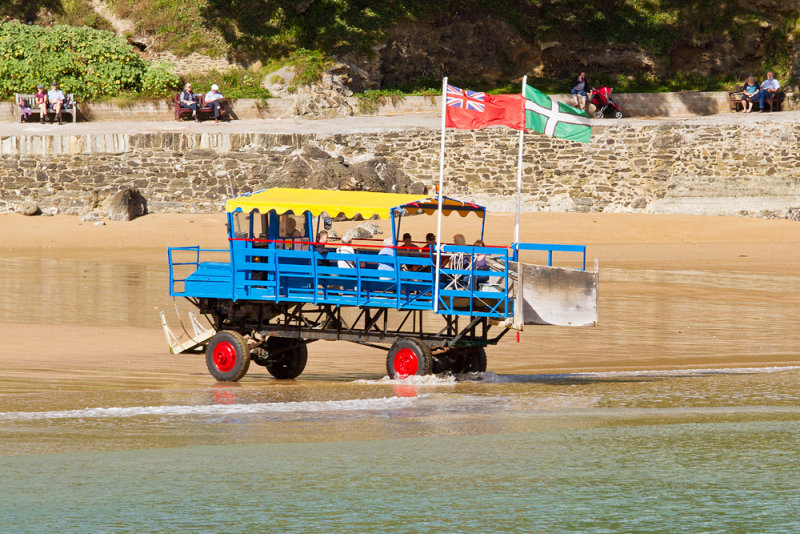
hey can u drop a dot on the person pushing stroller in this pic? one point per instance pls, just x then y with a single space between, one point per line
579 87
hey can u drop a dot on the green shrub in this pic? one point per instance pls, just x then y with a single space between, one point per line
89 63
233 83
160 79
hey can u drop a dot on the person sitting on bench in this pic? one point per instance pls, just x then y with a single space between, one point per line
188 100
769 88
56 98
40 100
214 100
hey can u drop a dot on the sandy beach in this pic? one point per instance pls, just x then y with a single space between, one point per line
676 292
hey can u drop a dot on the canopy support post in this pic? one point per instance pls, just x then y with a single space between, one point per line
439 218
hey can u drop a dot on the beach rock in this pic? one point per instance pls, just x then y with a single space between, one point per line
90 216
125 205
371 227
314 168
29 207
356 233
49 212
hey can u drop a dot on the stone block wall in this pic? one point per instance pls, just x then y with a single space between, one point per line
194 63
661 167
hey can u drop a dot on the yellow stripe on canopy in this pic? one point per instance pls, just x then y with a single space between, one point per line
350 203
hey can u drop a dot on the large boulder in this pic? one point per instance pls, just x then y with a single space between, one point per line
125 205
313 168
29 207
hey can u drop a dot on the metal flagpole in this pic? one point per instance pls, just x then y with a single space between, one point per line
519 166
439 219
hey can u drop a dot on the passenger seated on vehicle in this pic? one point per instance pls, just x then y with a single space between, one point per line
346 249
408 244
322 239
292 232
480 265
387 250
425 252
458 260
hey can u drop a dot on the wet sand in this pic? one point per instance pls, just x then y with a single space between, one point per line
676 292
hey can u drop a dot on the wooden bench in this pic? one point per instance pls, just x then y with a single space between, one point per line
736 104
201 106
775 101
735 101
69 106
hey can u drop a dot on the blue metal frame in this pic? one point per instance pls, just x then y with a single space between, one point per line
259 270
550 249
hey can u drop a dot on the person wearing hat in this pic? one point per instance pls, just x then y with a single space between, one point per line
40 100
189 100
215 100
56 99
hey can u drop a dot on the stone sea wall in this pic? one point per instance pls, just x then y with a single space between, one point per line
669 167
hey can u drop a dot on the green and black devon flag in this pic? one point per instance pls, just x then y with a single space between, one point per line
555 119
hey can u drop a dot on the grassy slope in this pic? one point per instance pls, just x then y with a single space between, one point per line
264 30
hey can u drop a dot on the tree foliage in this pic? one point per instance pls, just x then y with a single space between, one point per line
89 63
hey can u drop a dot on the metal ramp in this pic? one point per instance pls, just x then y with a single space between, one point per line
187 342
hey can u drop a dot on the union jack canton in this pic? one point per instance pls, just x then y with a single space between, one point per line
461 98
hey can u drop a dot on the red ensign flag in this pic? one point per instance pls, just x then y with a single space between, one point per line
470 110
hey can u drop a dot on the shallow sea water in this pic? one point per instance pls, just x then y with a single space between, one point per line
703 450
679 451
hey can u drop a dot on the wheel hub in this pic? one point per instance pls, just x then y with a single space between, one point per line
406 363
224 356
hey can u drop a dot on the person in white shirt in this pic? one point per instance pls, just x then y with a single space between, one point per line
387 250
769 88
55 97
215 100
345 249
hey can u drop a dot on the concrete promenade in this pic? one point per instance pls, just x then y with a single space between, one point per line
357 124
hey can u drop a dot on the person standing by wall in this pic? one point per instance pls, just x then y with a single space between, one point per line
579 87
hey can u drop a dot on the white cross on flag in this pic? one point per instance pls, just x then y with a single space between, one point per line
555 119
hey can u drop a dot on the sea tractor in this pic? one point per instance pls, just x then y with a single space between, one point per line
432 309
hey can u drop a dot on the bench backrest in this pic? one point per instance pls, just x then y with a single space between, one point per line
69 100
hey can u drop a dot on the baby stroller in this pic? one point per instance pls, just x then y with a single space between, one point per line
603 105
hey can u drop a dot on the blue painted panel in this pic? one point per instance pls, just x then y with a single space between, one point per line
279 275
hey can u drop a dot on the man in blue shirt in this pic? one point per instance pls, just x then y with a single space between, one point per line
55 98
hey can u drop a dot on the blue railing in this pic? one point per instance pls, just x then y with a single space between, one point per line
403 280
550 249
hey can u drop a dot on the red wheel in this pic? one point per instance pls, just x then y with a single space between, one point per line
224 356
227 356
405 363
409 356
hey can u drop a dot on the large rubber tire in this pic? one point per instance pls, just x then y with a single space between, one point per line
287 358
227 356
409 356
475 360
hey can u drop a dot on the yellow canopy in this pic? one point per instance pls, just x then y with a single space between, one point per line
350 203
